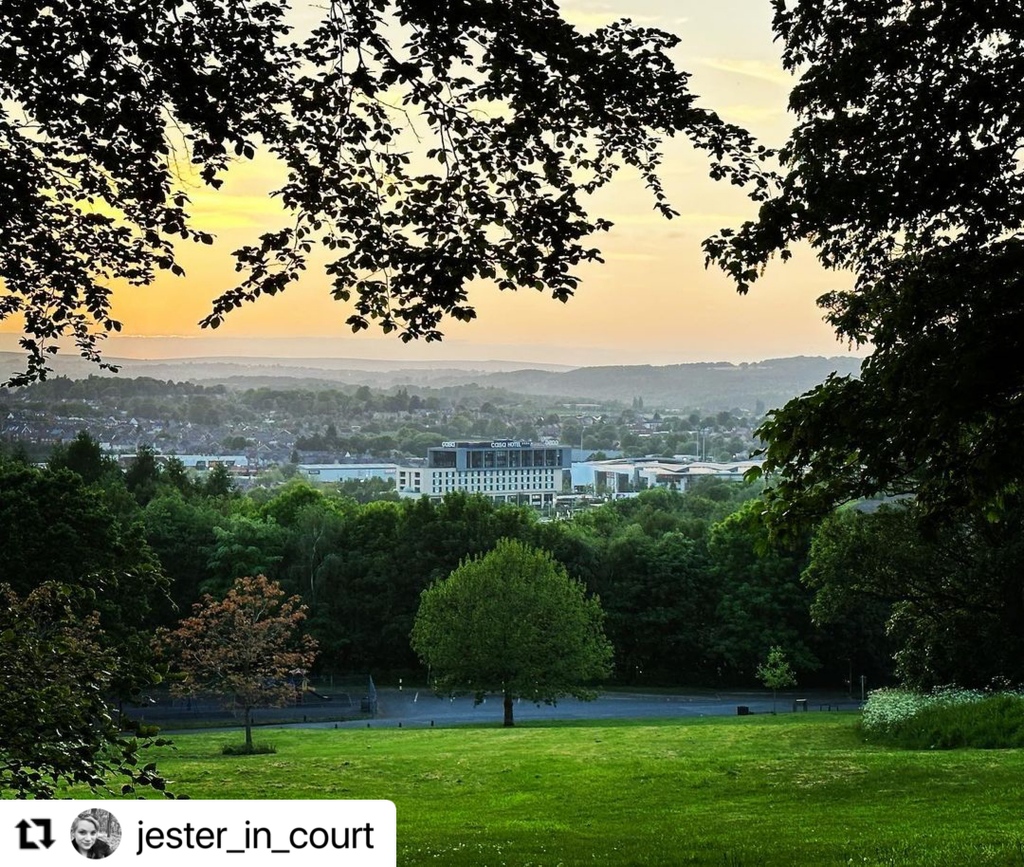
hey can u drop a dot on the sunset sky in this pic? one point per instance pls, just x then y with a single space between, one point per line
651 302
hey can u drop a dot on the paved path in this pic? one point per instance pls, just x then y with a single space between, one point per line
411 708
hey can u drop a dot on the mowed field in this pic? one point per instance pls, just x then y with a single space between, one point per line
764 790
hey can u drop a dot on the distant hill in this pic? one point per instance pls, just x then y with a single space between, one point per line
708 386
355 371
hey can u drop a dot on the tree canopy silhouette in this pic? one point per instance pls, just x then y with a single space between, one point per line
426 145
904 168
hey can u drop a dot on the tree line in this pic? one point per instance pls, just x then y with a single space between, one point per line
695 587
689 597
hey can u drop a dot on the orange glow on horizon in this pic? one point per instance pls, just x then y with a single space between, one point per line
652 299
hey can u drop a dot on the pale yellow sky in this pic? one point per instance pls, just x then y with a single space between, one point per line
651 302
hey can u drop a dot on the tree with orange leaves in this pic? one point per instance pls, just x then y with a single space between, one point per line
243 648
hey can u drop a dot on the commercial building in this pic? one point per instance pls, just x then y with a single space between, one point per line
506 471
321 473
635 474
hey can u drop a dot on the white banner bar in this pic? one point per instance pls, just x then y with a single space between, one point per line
299 833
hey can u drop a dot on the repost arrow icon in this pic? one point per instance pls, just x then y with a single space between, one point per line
47 840
23 840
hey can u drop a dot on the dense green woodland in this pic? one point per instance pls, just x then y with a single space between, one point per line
692 590
689 594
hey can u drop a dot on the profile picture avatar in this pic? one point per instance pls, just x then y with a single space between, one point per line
95 833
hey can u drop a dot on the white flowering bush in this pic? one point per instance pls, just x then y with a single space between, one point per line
945 717
886 710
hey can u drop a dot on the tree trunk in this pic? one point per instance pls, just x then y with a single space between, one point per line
508 710
248 729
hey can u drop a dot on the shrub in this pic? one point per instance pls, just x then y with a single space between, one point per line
248 749
888 710
945 719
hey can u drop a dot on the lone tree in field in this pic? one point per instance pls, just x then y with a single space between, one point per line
514 622
243 648
775 672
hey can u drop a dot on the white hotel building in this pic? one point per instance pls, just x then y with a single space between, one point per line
506 471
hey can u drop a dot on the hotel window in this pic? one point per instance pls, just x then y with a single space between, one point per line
442 459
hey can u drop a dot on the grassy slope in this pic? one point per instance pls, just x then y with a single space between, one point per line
767 790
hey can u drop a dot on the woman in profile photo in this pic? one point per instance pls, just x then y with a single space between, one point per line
86 837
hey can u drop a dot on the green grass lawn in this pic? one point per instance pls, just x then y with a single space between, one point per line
794 789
